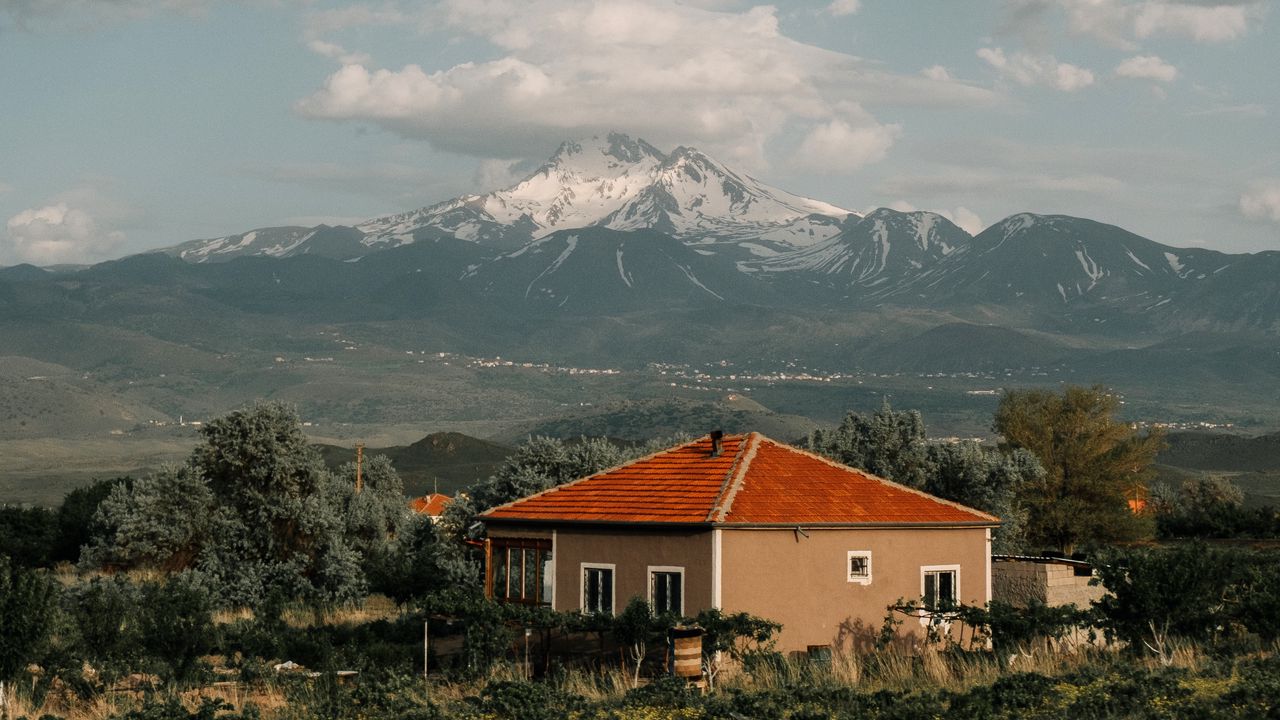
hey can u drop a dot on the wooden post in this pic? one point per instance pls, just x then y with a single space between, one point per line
359 467
426 644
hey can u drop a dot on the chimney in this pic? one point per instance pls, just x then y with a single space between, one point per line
716 437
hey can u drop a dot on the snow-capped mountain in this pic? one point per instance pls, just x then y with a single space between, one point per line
1067 260
340 243
582 270
614 181
625 184
885 251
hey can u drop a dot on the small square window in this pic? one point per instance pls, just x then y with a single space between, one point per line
858 566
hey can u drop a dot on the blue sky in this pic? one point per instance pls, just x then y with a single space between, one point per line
135 124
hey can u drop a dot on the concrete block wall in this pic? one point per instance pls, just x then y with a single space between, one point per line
1018 582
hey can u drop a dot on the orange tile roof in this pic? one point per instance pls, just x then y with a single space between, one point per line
432 504
754 480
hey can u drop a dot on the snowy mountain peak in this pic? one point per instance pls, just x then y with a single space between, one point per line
616 146
622 183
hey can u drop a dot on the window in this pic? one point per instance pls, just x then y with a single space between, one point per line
858 566
520 570
666 589
940 585
597 588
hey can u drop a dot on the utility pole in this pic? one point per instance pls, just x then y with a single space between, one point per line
359 467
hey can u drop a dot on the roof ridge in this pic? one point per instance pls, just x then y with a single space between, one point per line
610 469
747 453
727 483
883 481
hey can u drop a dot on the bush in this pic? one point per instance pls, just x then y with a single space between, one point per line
1181 591
527 701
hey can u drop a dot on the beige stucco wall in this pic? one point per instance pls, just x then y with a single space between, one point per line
801 582
632 552
777 574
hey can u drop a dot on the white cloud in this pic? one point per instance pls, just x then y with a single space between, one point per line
59 233
841 147
333 50
1201 22
1027 69
1147 67
728 81
1262 200
1124 23
839 8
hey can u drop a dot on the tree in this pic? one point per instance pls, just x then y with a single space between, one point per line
987 480
887 443
893 445
27 535
1090 460
75 516
27 602
161 521
253 510
375 519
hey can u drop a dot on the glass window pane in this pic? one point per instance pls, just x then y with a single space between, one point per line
530 574
499 558
930 589
606 591
516 573
546 595
947 587
673 598
590 590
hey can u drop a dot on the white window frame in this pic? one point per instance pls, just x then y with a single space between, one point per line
848 560
666 569
924 616
613 585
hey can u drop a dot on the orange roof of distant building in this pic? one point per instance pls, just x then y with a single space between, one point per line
432 504
754 481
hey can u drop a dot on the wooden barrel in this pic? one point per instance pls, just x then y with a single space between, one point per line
686 651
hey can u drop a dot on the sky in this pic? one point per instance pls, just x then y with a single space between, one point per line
128 125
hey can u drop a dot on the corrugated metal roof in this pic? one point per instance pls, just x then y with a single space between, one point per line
755 480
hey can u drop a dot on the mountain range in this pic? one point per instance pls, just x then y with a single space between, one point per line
612 224
615 253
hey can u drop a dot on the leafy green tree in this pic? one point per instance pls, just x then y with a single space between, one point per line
887 443
633 628
27 602
375 519
1181 591
161 521
986 480
76 516
175 624
27 535
893 444
102 615
252 510
1090 459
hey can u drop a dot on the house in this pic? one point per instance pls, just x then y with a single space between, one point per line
741 523
431 505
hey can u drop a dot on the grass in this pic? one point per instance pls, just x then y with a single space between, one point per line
894 670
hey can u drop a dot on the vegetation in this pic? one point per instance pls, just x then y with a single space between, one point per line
179 630
1090 460
893 445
